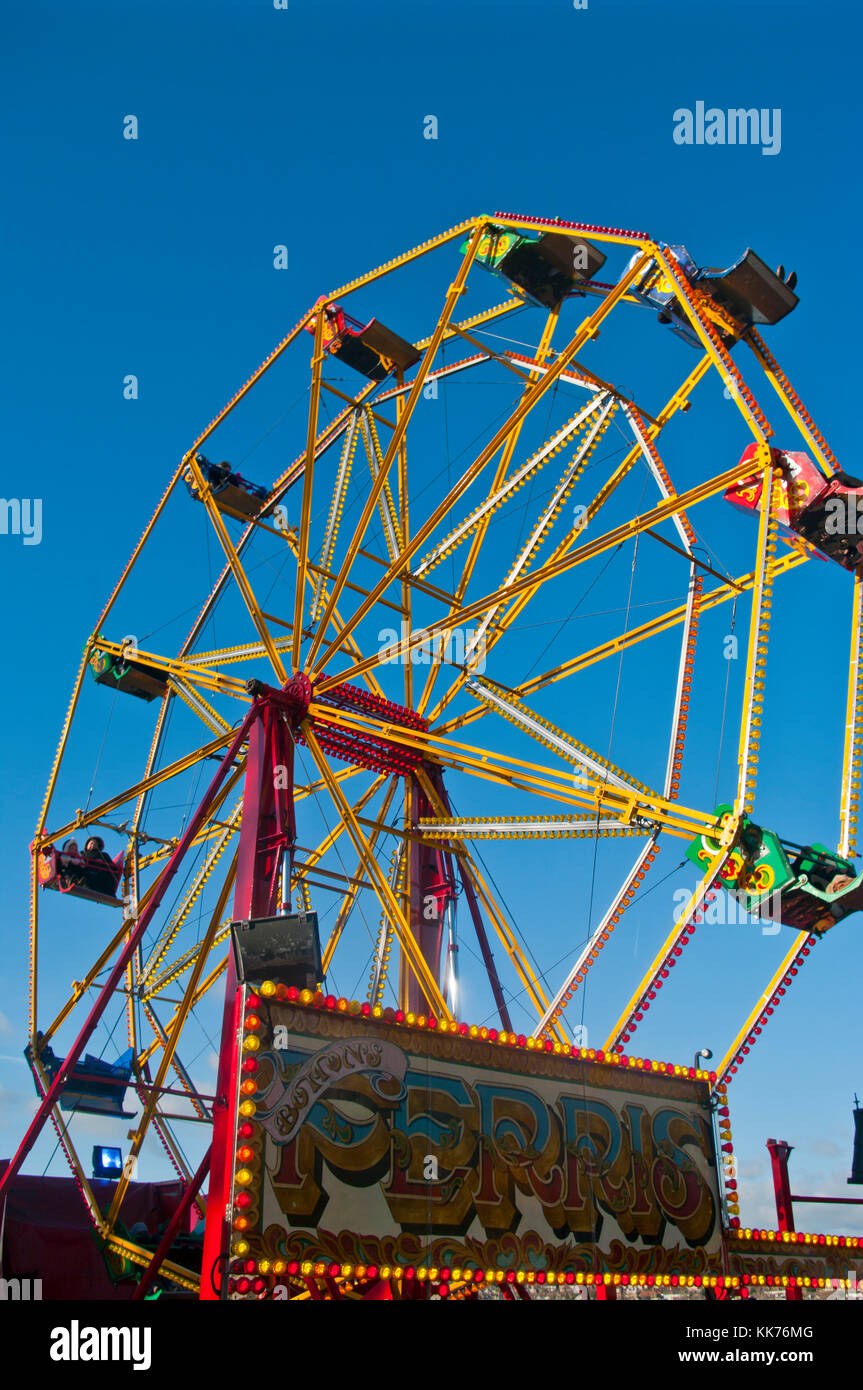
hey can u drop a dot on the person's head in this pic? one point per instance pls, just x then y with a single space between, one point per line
94 843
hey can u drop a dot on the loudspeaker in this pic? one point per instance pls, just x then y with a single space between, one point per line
285 949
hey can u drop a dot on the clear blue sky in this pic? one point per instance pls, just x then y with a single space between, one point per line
304 127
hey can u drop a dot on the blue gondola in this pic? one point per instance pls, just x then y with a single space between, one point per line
94 1087
231 492
748 290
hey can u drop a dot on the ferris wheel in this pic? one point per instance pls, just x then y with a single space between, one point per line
374 587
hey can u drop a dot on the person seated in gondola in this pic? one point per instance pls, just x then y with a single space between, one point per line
100 880
850 902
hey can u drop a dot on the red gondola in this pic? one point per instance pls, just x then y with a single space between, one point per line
370 348
93 874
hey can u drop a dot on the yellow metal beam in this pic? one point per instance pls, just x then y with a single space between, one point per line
849 801
693 905
205 493
400 924
456 289
586 331
351 895
308 479
798 940
552 569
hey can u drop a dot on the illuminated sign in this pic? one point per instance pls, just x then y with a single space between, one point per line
365 1141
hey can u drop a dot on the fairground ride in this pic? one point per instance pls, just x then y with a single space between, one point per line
372 669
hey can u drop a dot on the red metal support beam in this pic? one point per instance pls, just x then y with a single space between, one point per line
193 1187
105 994
268 833
779 1155
478 924
837 1201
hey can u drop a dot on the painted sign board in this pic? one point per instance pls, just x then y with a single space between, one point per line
364 1140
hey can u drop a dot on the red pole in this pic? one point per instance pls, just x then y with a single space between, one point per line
116 974
193 1187
268 829
779 1155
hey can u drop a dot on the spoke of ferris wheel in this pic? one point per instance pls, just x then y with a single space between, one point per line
200 993
552 569
198 705
453 295
185 1079
350 897
660 476
462 757
383 945
626 807
503 930
499 495
543 348
226 655
599 935
164 941
386 505
694 904
798 939
336 428
529 828
418 964
628 638
584 333
205 493
552 737
155 779
343 474
67 1144
548 516
679 400
308 480
564 547
181 965
521 775
313 856
168 1050
849 800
